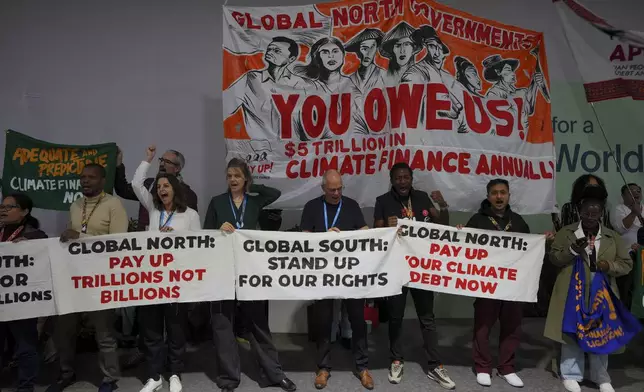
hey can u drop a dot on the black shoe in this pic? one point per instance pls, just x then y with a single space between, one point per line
61 384
287 385
346 343
107 387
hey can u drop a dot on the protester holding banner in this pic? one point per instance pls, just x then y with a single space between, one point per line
496 214
172 162
239 208
168 206
96 213
602 250
405 202
18 225
333 212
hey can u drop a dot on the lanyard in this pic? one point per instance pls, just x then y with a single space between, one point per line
163 224
407 210
12 236
85 219
326 217
238 222
494 222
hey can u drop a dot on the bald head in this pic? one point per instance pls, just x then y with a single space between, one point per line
332 186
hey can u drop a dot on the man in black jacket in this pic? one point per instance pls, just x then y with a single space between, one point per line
496 214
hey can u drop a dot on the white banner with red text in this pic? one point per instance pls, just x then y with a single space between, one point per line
358 86
142 268
305 266
610 58
472 262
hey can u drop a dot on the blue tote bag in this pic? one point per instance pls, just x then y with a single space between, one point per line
605 325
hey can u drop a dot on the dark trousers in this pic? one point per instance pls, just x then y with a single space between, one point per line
222 318
154 320
66 335
486 313
424 303
25 334
355 311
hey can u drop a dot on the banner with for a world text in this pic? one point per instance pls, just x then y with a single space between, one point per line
284 266
359 85
472 262
142 269
50 173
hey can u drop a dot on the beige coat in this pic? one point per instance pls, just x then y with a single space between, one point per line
611 250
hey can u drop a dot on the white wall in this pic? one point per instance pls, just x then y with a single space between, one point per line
149 71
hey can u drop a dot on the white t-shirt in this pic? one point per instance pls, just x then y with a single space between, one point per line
629 235
180 221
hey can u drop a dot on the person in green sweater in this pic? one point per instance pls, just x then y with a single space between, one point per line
239 208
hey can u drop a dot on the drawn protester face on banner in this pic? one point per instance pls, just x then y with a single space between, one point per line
467 74
326 58
437 51
399 47
331 56
280 52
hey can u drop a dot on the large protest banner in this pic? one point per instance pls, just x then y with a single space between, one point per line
610 58
359 85
472 262
26 289
142 268
49 173
286 266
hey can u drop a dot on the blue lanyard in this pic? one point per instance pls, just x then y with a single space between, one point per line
238 222
326 217
167 221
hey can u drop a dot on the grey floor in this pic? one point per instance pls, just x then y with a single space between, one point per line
297 356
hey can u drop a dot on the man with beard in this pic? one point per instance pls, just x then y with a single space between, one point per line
496 214
405 202
430 68
172 162
401 50
255 88
96 213
334 213
365 46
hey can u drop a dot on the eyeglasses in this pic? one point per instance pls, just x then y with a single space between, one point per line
335 190
4 207
163 160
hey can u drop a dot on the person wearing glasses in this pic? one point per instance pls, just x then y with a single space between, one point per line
18 225
171 162
333 212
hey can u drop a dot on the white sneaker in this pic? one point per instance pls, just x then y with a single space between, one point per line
512 379
571 386
395 372
606 387
484 379
152 385
175 384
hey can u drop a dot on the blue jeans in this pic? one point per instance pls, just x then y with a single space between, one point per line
25 333
573 362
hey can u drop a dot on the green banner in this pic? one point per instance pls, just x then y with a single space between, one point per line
50 173
637 306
